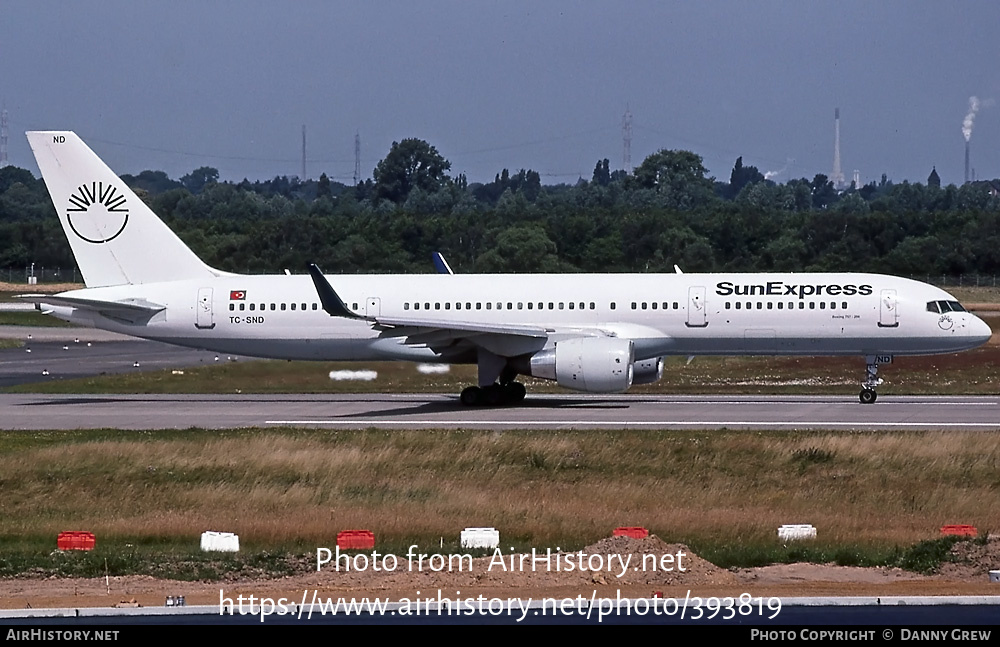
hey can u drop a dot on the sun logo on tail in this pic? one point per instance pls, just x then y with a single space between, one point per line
97 213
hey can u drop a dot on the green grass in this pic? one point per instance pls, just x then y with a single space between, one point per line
875 498
28 318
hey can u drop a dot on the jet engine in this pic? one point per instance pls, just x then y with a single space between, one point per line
592 364
647 371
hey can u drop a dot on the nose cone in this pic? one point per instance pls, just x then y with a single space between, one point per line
979 331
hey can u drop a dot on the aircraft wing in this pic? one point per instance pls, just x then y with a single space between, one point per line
441 335
133 311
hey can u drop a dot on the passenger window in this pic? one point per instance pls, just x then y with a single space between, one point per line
770 305
812 305
252 306
727 305
676 305
593 306
822 305
560 305
406 306
243 306
843 306
232 306
520 305
293 306
737 305
612 305
643 305
489 305
285 306
447 305
303 306
633 305
531 305
781 305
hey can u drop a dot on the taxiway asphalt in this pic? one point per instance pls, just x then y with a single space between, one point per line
439 411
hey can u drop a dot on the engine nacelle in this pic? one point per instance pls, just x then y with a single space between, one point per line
592 364
647 371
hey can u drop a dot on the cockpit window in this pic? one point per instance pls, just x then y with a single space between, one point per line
944 306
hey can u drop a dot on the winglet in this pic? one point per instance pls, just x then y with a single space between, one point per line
440 264
332 302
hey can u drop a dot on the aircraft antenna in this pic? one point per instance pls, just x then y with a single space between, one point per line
357 157
627 140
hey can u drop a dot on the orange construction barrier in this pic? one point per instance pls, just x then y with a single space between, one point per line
355 539
76 540
635 532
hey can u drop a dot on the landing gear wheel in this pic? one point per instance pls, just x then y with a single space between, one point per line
515 392
868 395
471 396
494 395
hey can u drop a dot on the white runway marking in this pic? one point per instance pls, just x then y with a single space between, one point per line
629 423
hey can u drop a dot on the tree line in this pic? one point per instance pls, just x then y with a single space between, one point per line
667 211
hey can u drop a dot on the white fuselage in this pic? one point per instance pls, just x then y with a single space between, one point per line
663 314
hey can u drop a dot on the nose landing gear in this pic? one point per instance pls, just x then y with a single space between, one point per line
872 380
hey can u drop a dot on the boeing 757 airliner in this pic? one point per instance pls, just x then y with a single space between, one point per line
598 333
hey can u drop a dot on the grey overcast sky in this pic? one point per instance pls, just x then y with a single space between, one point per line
543 85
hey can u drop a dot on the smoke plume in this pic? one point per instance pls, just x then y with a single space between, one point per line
970 118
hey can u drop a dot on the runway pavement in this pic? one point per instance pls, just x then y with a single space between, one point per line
422 411
69 352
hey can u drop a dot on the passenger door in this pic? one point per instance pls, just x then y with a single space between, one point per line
697 310
204 312
888 316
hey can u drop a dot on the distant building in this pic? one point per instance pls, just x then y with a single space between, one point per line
992 187
934 179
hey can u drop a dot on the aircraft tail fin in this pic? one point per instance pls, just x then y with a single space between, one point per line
115 237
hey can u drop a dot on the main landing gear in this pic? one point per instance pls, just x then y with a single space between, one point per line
496 382
493 395
872 380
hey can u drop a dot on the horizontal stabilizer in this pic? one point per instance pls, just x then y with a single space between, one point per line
132 311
